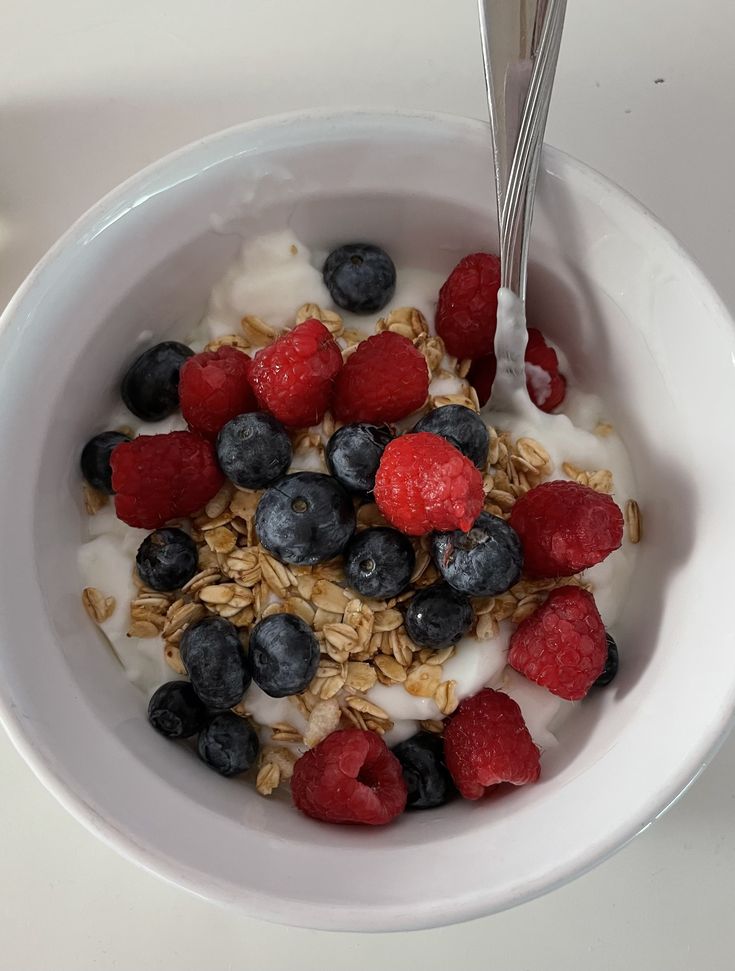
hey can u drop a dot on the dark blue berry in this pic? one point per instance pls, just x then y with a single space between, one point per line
284 655
254 450
95 461
228 744
462 427
611 664
484 562
353 455
305 517
175 711
215 662
427 777
360 277
379 562
167 559
438 616
150 388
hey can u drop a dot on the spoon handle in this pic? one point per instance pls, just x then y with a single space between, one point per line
520 46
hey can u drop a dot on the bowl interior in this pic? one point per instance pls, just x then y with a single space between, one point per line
640 327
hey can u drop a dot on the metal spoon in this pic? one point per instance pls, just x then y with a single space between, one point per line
520 47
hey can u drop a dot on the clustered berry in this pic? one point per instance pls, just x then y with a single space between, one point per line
427 482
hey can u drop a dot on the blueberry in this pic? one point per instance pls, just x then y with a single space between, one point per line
228 744
484 562
353 455
305 517
95 461
427 777
611 665
360 277
379 562
150 388
254 450
167 559
284 655
463 428
438 616
215 662
175 711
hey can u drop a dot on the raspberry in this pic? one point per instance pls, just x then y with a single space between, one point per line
565 527
481 376
545 384
487 742
213 388
468 305
547 389
293 379
350 777
384 380
160 477
423 483
562 645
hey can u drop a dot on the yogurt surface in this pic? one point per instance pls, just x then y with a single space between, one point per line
272 277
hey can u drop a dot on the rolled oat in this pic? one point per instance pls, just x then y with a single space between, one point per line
98 606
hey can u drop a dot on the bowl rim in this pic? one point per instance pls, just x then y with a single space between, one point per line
383 916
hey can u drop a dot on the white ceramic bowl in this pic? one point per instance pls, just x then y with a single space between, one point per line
641 326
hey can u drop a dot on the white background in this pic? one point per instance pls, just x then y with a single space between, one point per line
92 90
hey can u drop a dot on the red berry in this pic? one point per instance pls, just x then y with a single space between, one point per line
350 777
481 376
384 380
293 379
565 527
468 305
547 390
486 742
423 483
160 477
213 388
562 645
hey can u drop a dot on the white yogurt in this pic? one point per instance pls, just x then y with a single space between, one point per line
449 384
540 381
400 732
269 711
106 562
567 437
272 277
540 708
474 665
276 274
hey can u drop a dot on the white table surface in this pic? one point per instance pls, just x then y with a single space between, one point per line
92 90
